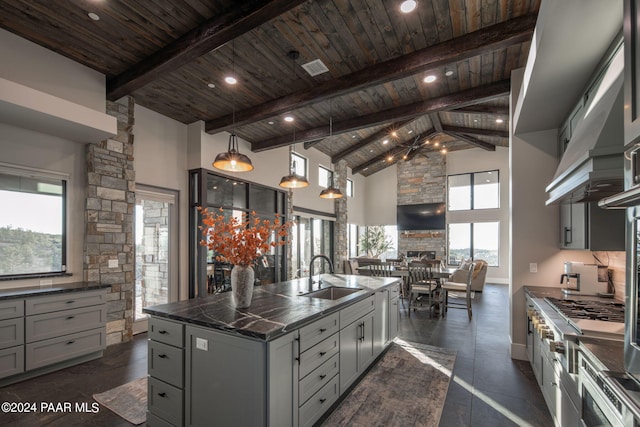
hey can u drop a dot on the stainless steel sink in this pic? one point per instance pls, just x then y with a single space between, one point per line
331 293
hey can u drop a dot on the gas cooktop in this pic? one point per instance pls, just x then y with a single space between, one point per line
592 317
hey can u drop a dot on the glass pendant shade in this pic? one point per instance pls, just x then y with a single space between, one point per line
232 160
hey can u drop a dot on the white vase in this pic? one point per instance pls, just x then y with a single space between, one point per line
242 281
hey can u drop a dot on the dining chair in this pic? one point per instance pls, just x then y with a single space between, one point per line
381 270
422 287
460 281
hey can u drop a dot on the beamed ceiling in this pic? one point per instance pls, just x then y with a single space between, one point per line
166 54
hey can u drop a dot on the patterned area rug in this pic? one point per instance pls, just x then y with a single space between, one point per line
407 387
128 400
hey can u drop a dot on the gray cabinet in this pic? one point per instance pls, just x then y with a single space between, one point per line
587 226
632 63
356 344
165 355
50 332
394 312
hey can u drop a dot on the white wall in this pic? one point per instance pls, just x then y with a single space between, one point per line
31 149
160 160
381 197
32 65
479 160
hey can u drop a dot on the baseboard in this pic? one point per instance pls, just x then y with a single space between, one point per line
518 351
497 280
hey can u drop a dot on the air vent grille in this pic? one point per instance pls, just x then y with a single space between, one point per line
315 67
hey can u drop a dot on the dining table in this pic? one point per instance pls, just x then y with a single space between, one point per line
402 271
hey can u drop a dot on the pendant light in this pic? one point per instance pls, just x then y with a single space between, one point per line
293 180
232 160
331 192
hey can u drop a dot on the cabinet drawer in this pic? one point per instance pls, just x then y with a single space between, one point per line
319 403
11 308
11 361
156 421
318 354
166 363
318 378
165 401
11 332
354 312
49 325
166 331
49 303
312 334
394 291
55 350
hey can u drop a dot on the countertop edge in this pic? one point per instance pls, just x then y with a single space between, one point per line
26 292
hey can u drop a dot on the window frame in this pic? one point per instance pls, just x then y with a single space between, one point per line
471 239
295 157
329 176
350 187
34 174
472 191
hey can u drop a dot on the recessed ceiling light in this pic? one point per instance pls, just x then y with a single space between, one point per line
443 151
211 85
389 158
408 6
430 79
270 122
449 73
404 157
394 134
499 120
426 142
437 144
93 16
353 137
231 80
371 151
410 131
385 141
475 120
288 119
365 169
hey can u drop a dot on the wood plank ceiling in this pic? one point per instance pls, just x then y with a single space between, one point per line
172 57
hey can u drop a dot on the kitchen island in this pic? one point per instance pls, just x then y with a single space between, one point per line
283 361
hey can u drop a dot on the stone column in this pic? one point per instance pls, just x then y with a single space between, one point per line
109 219
341 248
288 249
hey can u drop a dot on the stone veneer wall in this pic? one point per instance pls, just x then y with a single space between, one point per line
109 219
341 232
422 180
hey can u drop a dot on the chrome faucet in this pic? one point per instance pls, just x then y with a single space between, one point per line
311 270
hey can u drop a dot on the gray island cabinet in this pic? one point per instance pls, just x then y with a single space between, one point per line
284 361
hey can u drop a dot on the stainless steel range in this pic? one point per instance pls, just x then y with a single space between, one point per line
595 318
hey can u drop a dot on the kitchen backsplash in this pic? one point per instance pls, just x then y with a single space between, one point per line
617 263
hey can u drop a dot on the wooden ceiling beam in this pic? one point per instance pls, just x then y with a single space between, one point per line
475 131
480 42
369 140
483 109
379 158
405 112
212 34
435 120
473 141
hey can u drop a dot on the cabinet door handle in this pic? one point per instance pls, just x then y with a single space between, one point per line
162 332
323 376
70 342
163 394
322 353
70 301
567 236
322 400
71 317
162 356
323 330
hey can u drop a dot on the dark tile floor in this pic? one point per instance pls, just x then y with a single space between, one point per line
488 387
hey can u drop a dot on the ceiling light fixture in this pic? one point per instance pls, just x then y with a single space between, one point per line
499 121
293 180
384 142
331 192
232 160
394 134
430 79
288 119
93 16
408 6
449 73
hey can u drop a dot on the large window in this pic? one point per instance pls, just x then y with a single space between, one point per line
32 223
299 165
309 237
325 177
479 190
477 240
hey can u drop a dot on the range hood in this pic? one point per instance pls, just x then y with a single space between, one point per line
592 165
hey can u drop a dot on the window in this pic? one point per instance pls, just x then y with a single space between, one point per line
477 240
352 240
349 187
32 223
309 237
299 165
479 190
325 177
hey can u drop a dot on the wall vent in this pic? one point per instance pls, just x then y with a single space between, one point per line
315 67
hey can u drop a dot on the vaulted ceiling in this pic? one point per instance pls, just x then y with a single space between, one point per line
172 57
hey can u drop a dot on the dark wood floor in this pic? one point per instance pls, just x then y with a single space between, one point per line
488 387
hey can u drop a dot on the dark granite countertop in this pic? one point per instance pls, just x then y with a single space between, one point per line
275 309
609 353
31 291
555 292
